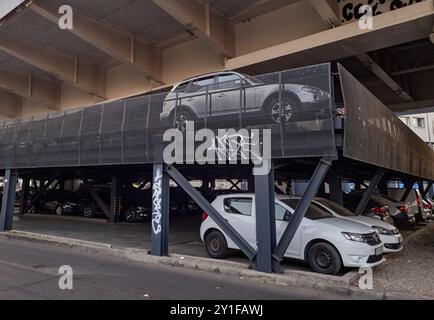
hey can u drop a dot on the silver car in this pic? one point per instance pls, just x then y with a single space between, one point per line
219 96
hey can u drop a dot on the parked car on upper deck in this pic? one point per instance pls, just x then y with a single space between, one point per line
188 100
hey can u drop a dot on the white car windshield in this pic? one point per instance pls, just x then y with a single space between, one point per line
313 213
340 210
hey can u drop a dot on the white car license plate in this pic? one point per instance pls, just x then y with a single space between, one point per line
379 251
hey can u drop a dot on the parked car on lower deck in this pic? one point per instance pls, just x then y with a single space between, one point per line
137 202
87 204
56 201
325 242
389 235
420 207
385 208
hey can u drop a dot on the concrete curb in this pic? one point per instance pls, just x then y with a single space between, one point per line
55 239
343 286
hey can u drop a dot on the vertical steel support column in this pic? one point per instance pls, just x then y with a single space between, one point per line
8 201
115 200
335 183
160 211
369 192
223 223
24 195
265 221
300 211
421 188
408 187
428 188
251 184
383 187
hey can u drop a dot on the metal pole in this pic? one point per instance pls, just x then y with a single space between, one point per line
265 221
369 192
24 195
300 211
428 188
408 187
8 200
160 211
114 200
335 183
233 234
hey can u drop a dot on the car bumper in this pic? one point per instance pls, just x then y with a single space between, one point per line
392 243
356 255
401 218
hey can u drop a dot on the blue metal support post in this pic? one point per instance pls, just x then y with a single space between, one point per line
160 211
8 200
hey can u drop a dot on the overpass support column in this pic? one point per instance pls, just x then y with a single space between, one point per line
160 211
335 183
265 221
8 200
115 200
24 195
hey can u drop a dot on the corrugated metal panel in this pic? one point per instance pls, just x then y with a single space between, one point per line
373 134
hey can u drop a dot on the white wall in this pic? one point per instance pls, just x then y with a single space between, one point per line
426 133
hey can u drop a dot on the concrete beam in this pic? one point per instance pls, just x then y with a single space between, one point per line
259 8
411 23
10 104
86 76
413 70
384 76
410 106
122 45
203 21
328 10
28 86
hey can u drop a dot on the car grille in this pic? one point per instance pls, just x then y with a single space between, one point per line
373 259
392 246
372 238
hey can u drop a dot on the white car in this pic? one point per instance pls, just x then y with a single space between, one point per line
325 242
389 235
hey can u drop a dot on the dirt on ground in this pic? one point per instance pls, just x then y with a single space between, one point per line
410 271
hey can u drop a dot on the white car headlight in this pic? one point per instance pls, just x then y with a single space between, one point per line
354 237
385 231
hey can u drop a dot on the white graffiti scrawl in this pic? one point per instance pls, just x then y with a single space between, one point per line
156 202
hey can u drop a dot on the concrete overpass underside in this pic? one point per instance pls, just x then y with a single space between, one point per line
123 48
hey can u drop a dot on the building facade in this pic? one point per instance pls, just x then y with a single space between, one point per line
422 124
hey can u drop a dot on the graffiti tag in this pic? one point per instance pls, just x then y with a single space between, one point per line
156 202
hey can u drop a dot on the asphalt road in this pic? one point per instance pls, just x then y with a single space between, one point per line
29 270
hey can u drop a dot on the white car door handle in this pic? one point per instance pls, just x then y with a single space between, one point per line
221 95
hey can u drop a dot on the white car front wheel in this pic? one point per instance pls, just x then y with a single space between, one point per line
324 258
